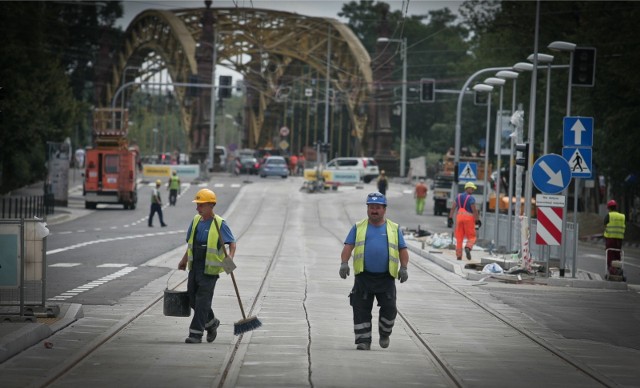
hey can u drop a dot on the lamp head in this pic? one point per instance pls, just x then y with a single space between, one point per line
522 66
482 88
542 58
494 81
562 46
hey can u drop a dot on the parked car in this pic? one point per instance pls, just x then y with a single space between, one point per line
274 166
367 167
247 165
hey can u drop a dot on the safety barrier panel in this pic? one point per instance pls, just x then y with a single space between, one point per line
22 267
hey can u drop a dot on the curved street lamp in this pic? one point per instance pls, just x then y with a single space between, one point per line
484 88
494 81
570 48
545 59
513 75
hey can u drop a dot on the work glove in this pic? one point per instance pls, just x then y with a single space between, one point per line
479 223
450 222
344 270
403 275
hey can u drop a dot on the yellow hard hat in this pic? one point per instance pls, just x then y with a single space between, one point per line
205 196
158 182
470 185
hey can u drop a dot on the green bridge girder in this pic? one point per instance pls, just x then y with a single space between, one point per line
269 48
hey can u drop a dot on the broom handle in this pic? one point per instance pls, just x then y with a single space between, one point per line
233 278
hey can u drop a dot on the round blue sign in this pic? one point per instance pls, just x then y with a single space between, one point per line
551 174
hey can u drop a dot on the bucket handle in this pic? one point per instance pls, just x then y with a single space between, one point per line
173 272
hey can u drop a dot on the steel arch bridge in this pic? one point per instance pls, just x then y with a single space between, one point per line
276 52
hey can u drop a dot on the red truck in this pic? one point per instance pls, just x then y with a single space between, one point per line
110 165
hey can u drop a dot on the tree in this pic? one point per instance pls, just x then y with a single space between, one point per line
37 59
610 27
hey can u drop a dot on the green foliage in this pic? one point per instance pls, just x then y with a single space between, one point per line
45 45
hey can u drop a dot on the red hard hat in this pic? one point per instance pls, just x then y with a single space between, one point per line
612 203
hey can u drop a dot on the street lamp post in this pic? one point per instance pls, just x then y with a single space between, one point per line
403 122
124 78
545 58
483 88
507 74
570 48
494 81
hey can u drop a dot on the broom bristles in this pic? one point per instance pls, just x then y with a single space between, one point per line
246 325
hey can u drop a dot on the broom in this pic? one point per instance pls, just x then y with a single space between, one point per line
245 324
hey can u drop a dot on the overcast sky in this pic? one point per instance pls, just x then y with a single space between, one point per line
322 8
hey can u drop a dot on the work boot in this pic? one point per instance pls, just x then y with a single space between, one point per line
467 251
384 341
212 332
193 340
363 346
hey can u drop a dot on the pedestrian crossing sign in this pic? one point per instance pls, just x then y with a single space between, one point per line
468 171
579 160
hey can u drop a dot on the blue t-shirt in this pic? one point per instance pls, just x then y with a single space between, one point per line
463 197
202 232
376 249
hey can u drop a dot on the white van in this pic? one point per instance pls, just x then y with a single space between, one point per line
367 167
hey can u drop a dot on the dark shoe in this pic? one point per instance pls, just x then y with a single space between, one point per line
151 226
193 340
165 225
363 346
212 332
467 251
384 341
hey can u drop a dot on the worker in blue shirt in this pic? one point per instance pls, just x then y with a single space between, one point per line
380 257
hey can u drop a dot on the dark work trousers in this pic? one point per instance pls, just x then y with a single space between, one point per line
614 243
200 289
173 196
368 286
156 208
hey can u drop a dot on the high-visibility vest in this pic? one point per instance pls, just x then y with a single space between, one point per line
174 183
615 227
214 256
392 241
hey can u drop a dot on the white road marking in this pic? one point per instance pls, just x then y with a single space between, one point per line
135 236
66 265
78 290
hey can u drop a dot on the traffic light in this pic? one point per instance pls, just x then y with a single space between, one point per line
427 90
584 67
523 160
480 98
325 147
224 90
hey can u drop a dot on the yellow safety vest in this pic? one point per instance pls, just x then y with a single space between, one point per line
174 183
615 227
392 240
214 256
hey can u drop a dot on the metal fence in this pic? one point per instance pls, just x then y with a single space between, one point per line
538 252
26 207
22 268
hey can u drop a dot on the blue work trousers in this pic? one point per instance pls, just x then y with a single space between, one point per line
200 288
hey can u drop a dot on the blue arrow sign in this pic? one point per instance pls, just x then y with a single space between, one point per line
577 132
551 174
579 160
468 171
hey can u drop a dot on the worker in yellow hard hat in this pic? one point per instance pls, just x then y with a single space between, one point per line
204 257
156 205
466 220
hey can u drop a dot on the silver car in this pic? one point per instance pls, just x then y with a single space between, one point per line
274 166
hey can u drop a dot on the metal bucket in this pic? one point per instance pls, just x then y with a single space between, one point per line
176 303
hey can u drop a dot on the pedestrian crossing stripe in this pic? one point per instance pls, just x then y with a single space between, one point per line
579 160
468 171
